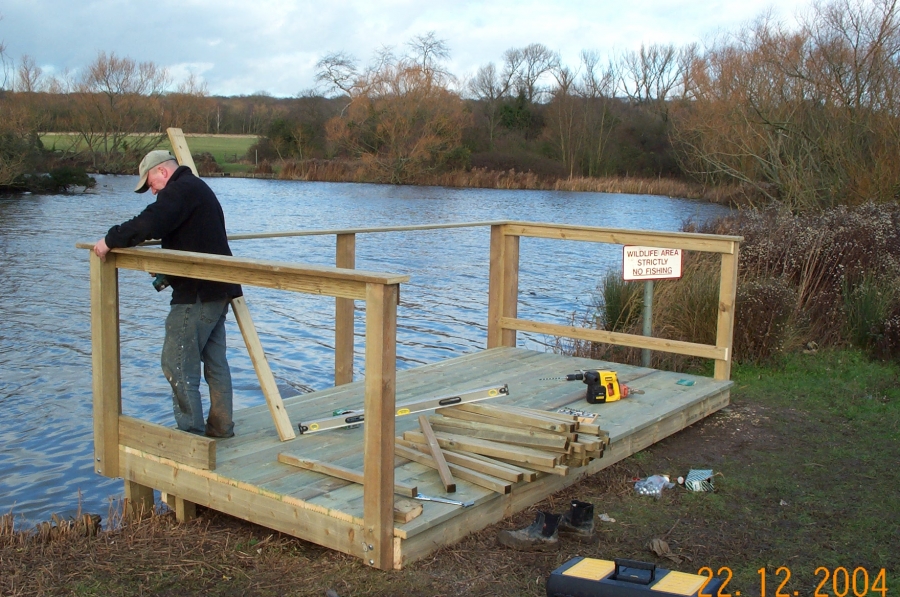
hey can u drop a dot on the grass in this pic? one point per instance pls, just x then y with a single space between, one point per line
227 149
806 473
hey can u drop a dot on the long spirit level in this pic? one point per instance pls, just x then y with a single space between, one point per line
358 416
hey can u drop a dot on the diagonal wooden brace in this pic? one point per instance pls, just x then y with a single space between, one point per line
263 372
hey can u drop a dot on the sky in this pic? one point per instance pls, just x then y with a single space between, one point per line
272 46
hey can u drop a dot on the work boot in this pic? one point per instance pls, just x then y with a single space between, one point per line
578 522
541 535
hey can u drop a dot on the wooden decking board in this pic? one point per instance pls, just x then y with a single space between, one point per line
249 482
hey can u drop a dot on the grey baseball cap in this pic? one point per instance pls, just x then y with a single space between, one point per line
150 161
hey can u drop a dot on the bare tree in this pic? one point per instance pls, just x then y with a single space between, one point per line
526 66
116 103
338 71
28 79
597 88
490 88
563 116
429 54
650 75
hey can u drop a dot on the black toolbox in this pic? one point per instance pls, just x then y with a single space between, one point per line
589 577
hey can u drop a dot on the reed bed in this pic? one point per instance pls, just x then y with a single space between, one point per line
483 178
809 281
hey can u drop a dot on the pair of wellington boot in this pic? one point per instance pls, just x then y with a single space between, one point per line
543 533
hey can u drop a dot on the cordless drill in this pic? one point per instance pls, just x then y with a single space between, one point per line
602 386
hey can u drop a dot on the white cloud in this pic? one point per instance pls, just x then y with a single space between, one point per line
273 45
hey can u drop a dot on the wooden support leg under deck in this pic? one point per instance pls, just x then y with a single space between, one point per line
138 500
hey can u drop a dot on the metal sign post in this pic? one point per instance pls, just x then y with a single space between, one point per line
648 264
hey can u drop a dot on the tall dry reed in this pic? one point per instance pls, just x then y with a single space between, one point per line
830 278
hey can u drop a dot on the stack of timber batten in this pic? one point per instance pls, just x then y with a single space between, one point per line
495 446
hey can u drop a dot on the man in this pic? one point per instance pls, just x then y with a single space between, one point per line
187 216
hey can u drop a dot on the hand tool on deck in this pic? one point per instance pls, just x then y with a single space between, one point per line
602 386
356 417
428 498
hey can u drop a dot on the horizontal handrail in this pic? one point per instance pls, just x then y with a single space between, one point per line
311 279
691 241
715 243
693 349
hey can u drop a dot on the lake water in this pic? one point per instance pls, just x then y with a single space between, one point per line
46 440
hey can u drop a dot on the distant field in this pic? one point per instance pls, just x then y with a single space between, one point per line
225 148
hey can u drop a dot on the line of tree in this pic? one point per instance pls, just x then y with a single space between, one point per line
808 115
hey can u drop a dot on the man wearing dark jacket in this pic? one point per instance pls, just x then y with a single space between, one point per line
186 216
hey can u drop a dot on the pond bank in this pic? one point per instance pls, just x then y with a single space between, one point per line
781 500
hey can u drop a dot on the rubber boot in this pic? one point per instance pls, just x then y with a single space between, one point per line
541 535
578 522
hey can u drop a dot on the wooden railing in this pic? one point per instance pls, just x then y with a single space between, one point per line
504 287
380 291
503 293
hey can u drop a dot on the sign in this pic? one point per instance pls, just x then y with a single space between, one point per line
650 263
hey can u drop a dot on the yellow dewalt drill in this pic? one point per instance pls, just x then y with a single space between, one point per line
602 386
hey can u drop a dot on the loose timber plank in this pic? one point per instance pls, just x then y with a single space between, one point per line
485 466
340 472
500 433
511 416
461 443
421 537
480 479
436 455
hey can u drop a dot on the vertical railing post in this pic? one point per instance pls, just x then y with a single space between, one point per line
107 381
727 297
380 403
343 315
503 286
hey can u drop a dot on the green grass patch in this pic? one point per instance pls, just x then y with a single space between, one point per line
806 460
225 148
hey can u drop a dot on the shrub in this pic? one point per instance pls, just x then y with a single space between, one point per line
887 344
763 313
868 307
206 164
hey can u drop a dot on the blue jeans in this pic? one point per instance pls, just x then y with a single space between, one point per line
196 333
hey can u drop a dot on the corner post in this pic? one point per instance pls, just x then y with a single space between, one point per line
503 286
343 315
107 380
380 404
727 298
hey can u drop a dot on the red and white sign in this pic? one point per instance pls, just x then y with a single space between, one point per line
650 263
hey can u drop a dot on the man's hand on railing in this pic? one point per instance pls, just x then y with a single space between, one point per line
101 249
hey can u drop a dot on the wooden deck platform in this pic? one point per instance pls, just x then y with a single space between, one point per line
247 476
247 480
